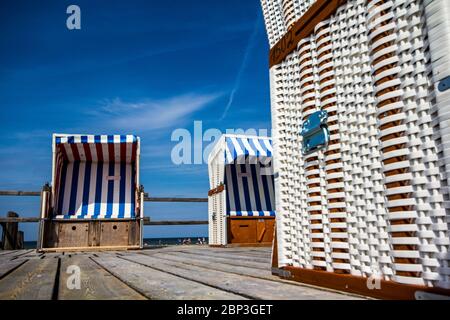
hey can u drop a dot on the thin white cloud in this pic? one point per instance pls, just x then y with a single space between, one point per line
248 49
148 115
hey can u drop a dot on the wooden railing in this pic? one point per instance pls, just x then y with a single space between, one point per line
147 220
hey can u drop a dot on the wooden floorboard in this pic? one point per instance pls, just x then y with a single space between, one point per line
158 285
218 260
252 288
227 255
5 252
15 254
95 282
248 253
34 280
259 273
176 272
8 266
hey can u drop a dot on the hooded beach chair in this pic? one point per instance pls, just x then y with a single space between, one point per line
241 200
94 200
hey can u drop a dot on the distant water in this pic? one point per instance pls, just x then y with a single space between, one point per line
147 242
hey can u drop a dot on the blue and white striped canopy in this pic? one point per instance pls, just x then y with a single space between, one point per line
249 184
241 146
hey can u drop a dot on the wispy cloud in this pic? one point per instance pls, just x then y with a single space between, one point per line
148 115
248 49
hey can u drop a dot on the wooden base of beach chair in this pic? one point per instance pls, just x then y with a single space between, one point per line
250 231
81 235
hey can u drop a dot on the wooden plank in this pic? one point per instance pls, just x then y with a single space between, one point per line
19 193
252 288
95 283
75 249
167 199
228 256
8 266
34 280
146 198
6 252
246 251
175 222
18 219
32 254
232 262
14 254
147 221
220 266
156 284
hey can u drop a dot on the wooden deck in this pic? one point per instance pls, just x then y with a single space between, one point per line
177 272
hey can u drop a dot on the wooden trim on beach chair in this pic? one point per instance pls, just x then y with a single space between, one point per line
217 190
302 28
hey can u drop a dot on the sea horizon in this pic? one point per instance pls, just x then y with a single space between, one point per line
160 241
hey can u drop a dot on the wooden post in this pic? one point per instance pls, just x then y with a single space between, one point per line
20 240
10 230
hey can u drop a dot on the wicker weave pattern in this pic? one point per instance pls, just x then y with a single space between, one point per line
375 202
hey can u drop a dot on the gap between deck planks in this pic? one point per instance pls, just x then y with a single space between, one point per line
156 284
219 260
97 284
206 262
250 287
223 254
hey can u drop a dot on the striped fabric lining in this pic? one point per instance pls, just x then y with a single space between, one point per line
252 213
95 177
240 147
248 190
98 148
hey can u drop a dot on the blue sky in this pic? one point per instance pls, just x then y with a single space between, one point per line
135 67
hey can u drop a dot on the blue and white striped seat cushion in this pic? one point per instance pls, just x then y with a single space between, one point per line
95 177
249 191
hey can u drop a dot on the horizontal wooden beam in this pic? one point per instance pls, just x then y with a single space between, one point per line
146 198
173 223
302 28
154 199
356 284
147 221
18 219
19 193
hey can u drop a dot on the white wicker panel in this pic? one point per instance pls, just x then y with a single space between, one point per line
274 20
376 200
217 202
437 13
280 15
